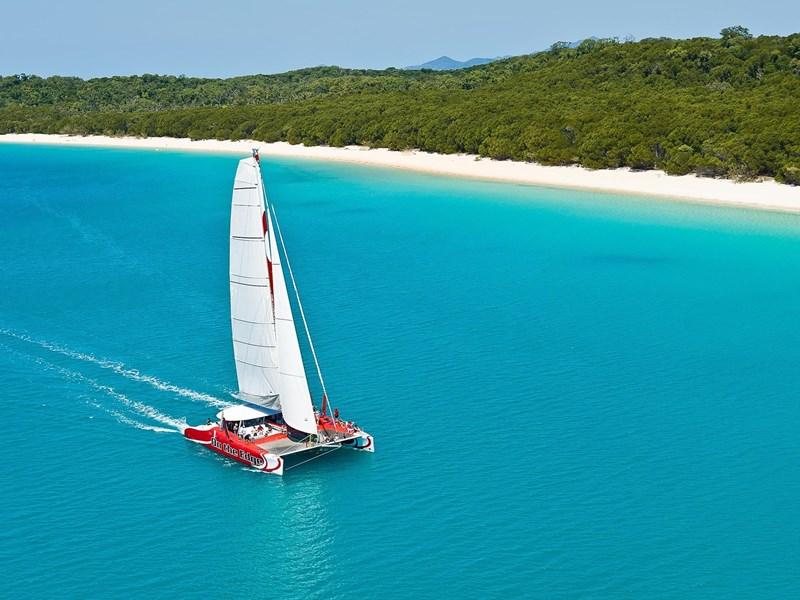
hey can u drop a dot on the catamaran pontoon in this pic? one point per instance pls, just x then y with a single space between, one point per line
278 418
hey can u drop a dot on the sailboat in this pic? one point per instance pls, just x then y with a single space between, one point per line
276 419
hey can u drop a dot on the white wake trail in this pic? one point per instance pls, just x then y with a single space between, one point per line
125 420
141 408
121 369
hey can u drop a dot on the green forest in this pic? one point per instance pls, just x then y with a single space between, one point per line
717 107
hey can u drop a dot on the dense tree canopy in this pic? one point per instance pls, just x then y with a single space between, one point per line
716 107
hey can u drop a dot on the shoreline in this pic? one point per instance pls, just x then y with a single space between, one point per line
763 195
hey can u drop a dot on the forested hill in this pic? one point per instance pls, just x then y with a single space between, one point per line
728 106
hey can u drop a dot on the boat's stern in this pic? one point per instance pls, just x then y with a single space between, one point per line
272 464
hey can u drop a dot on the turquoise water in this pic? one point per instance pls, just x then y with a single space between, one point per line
573 395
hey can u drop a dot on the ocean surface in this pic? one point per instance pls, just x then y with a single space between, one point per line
574 395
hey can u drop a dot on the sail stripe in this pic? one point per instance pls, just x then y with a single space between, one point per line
255 345
248 284
250 322
248 276
244 362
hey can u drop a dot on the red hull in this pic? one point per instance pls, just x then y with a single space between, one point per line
236 448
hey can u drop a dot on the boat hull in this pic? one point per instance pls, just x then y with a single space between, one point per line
231 446
355 439
365 443
254 455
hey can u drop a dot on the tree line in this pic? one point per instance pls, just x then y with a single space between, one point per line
718 107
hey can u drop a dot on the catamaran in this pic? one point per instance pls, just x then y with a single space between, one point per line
276 419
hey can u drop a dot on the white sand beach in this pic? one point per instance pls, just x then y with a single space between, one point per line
766 195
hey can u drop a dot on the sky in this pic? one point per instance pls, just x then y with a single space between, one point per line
213 38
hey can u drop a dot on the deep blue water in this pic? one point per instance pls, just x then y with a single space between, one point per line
574 395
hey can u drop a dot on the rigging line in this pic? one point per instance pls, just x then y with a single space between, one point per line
300 306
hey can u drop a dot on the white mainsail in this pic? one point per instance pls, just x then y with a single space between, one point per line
252 316
269 366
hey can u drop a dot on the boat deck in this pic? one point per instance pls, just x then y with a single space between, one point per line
280 445
283 446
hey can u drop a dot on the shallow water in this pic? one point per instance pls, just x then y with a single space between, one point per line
573 394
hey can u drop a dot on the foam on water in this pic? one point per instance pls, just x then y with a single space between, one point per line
141 408
125 420
120 369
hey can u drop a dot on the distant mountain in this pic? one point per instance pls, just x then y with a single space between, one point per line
445 63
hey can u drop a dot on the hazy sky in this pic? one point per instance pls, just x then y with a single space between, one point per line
217 38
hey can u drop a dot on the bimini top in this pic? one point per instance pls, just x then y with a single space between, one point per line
240 412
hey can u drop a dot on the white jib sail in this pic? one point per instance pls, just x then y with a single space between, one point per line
295 398
252 317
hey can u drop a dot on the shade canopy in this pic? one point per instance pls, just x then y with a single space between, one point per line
241 412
